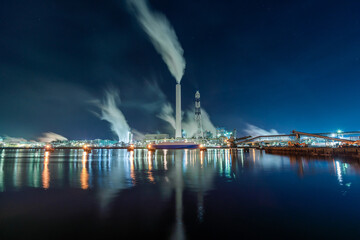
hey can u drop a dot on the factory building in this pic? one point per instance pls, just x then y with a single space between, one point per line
222 132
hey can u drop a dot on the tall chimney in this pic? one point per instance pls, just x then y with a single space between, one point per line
178 112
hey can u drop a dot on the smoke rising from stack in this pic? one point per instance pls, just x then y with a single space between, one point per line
110 112
161 35
254 131
138 136
189 123
167 114
49 137
8 139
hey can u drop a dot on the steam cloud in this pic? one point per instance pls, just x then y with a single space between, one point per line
253 130
188 124
46 137
162 36
50 137
111 113
138 136
167 114
8 139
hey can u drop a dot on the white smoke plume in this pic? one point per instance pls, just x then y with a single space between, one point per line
206 122
162 36
254 131
188 122
190 126
48 137
111 113
138 136
167 114
8 139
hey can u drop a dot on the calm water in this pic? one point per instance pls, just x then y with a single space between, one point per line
182 194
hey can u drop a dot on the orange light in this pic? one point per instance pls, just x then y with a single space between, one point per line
46 172
84 176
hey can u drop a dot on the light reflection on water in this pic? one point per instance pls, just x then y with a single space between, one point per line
77 169
106 173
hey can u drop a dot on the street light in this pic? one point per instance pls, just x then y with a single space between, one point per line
338 132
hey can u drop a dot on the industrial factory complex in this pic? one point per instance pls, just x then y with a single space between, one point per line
221 138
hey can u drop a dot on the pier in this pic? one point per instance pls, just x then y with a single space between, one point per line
316 151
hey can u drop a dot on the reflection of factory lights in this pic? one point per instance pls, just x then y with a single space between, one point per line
84 176
165 161
151 178
149 159
338 172
132 166
46 172
84 157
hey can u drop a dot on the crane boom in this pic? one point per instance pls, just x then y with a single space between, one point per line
320 136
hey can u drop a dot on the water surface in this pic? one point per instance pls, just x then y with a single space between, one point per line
179 194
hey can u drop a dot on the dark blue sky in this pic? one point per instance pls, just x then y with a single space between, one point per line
275 64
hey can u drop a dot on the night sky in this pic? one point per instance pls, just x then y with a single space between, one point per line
274 64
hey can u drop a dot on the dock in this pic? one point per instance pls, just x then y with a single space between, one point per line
316 151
